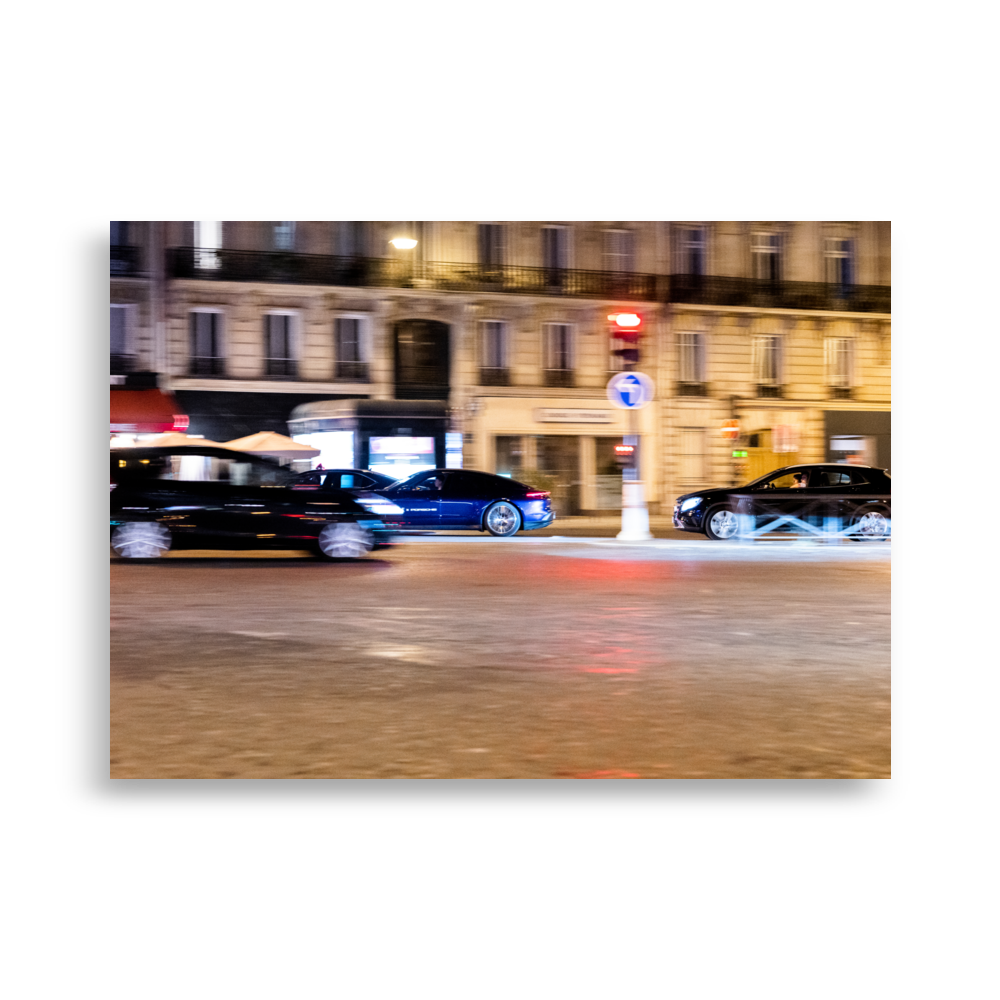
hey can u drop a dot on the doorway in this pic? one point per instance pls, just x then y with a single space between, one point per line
559 456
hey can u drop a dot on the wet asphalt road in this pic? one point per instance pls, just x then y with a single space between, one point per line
530 658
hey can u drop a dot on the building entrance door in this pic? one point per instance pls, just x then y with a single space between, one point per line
559 456
422 359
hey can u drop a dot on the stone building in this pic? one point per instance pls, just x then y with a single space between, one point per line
491 341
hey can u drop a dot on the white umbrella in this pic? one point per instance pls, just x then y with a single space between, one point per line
275 445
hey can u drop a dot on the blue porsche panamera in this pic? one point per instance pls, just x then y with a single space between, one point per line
457 499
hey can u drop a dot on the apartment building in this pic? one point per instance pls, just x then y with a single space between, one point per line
487 344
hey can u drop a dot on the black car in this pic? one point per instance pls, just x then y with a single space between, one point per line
347 479
211 498
450 499
854 501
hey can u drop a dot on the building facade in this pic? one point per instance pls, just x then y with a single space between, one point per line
492 340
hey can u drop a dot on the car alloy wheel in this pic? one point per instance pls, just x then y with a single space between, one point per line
503 520
872 525
140 540
721 524
345 540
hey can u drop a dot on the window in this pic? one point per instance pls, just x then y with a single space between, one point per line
555 247
349 349
120 340
284 236
690 251
691 360
839 261
206 342
840 366
691 455
491 245
766 253
493 353
279 345
558 354
351 239
767 365
207 240
618 250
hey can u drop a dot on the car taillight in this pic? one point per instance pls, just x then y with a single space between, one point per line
539 495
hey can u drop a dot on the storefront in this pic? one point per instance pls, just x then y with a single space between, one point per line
566 445
137 411
395 437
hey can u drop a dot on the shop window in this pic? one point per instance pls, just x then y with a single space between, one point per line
509 455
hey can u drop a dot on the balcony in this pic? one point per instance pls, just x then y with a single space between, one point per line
841 392
770 392
285 369
715 290
124 260
207 367
494 376
352 371
559 378
692 389
379 272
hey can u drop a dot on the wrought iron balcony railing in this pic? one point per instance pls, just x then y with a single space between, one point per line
384 272
281 368
352 371
322 269
715 290
124 260
207 367
494 376
560 378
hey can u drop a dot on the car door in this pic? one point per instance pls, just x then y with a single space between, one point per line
420 499
779 497
462 499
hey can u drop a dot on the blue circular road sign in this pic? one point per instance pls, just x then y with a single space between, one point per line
630 390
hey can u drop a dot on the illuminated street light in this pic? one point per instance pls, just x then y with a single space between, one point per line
403 243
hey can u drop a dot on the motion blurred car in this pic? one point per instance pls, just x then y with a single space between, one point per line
858 496
347 479
193 497
457 499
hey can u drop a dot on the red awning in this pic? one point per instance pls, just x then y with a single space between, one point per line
145 411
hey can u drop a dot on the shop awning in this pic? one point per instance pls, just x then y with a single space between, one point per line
145 411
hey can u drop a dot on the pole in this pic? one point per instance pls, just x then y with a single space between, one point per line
635 515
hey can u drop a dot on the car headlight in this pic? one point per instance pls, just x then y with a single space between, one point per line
380 507
690 503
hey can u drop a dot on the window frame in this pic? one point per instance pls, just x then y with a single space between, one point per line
500 229
503 328
128 310
833 354
830 255
699 344
567 249
774 252
777 351
628 256
547 354
221 343
361 371
294 343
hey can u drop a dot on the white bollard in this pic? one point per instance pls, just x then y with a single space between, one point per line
635 515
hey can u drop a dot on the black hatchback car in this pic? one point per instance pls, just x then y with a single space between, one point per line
214 498
852 499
